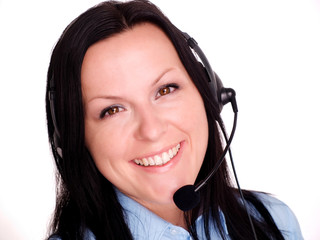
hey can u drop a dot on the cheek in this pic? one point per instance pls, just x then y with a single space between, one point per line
198 124
105 148
109 156
192 116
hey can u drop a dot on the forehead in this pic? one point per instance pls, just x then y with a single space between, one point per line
141 37
142 52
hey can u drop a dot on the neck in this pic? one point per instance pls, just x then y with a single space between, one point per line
167 211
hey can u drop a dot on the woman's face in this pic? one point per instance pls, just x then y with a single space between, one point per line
145 122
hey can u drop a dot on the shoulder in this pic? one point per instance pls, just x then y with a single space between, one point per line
282 215
88 235
54 237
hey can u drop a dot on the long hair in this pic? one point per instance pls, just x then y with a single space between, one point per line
85 199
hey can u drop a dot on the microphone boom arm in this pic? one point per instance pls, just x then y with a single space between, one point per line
203 182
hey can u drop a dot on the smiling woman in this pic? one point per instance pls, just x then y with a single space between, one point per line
150 99
131 119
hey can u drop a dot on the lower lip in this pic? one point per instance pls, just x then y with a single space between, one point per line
164 167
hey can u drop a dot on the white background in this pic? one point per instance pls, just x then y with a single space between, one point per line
268 51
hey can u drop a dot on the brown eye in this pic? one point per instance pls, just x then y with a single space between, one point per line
108 112
170 88
164 91
113 110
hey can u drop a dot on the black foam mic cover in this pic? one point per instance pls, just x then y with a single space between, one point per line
186 198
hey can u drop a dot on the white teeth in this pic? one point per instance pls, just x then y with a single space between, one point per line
151 161
165 157
174 150
159 160
137 161
145 162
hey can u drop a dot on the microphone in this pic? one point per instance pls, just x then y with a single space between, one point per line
188 197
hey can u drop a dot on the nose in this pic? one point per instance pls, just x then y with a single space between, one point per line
151 124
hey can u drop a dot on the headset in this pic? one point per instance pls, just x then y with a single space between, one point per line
187 197
220 94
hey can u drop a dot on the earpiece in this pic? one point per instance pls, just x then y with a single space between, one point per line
221 95
56 134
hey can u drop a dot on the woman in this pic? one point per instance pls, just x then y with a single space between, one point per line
131 119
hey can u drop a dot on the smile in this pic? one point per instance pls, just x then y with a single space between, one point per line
159 159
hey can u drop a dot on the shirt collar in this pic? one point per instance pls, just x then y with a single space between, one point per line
144 224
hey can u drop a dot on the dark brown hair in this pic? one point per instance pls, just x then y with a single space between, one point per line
85 199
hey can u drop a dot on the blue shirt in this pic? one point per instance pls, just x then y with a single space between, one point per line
145 225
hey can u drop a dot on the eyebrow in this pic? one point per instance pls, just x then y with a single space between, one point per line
168 70
112 97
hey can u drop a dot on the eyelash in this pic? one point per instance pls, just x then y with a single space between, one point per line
106 112
112 110
169 87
